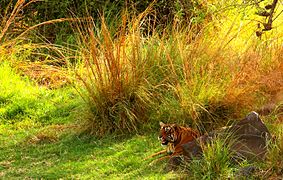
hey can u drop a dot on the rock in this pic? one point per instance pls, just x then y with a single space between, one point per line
193 149
247 139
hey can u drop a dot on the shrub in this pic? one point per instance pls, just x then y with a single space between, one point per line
215 163
113 75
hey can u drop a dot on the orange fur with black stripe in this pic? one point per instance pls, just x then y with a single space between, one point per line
174 136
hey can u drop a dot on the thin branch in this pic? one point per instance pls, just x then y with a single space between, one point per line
278 15
269 23
52 22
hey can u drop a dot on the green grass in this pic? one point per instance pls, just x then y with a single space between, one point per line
39 137
215 163
42 141
74 156
21 100
80 157
129 83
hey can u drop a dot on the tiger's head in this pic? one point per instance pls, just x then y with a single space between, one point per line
167 133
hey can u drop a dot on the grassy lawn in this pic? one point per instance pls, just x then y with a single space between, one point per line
39 139
78 157
27 154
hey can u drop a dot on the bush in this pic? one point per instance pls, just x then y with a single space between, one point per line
215 164
113 75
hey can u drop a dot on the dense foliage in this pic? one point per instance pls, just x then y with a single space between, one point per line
162 13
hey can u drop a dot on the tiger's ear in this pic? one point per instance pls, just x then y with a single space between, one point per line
161 124
174 126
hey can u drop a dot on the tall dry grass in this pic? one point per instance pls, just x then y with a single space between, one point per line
113 75
203 78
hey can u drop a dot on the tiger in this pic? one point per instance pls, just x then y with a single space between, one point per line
173 136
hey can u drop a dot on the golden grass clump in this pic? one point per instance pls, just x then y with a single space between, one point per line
113 76
218 78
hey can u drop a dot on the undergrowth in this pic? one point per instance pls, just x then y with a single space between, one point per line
215 163
132 79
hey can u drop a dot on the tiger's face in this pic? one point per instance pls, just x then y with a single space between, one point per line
167 133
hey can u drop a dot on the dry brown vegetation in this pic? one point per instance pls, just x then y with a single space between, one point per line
129 79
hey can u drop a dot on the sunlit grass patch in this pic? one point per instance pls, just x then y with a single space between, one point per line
22 102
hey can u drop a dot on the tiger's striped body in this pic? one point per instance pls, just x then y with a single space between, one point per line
173 137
